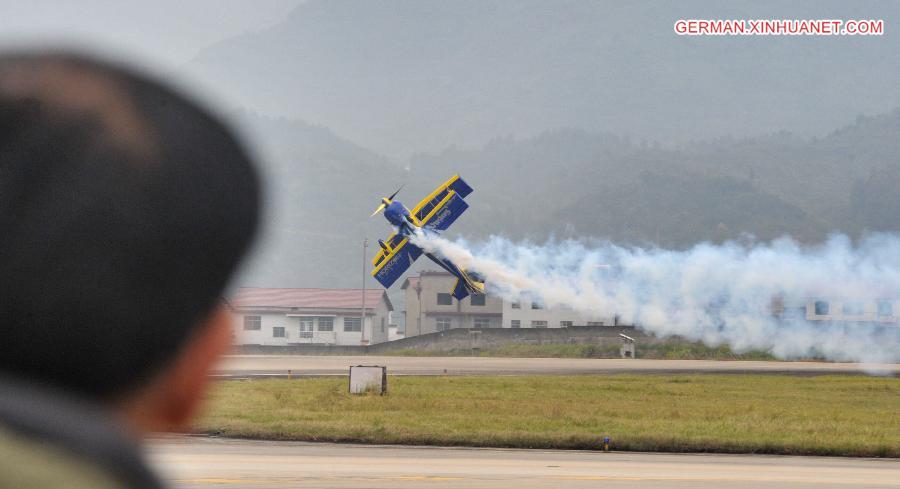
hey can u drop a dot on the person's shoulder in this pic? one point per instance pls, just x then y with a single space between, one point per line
27 463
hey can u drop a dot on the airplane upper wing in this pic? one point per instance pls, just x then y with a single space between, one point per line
443 206
391 263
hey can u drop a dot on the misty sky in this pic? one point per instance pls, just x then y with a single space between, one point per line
168 32
438 74
342 95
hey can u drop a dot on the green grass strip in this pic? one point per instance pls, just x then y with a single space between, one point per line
778 414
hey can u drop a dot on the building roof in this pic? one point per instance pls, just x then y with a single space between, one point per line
310 298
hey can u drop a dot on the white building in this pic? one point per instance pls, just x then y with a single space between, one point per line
530 314
395 333
881 310
310 316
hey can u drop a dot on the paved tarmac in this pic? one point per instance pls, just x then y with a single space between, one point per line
278 365
197 462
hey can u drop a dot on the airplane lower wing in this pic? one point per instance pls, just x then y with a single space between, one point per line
392 242
395 262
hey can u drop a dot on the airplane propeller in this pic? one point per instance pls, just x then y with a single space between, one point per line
395 193
386 201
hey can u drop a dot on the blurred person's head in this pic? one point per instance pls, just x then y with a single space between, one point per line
124 210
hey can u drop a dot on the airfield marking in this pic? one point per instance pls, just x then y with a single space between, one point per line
199 462
243 366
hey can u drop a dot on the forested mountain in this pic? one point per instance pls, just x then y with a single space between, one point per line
574 184
320 189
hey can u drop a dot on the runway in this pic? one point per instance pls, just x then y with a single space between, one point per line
195 463
278 365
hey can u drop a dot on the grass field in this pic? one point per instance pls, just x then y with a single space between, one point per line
675 350
828 415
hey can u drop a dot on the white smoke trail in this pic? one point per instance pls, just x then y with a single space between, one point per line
717 294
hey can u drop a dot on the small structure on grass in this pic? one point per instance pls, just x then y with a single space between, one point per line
368 378
627 348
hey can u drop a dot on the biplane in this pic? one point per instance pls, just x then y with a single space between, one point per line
432 215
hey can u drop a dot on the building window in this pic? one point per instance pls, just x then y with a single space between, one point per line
516 305
515 324
481 323
536 305
539 324
252 323
852 309
306 327
443 324
352 325
477 299
595 323
885 308
382 325
444 299
326 323
278 332
565 324
821 308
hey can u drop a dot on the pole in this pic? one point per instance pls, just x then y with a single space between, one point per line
419 300
362 317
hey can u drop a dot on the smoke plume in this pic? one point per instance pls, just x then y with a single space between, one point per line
730 294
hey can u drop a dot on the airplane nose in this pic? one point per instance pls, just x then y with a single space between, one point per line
378 209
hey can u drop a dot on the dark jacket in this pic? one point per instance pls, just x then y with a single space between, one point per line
49 439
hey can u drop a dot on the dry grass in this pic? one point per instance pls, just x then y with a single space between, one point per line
833 415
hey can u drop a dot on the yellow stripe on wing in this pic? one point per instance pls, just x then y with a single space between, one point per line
432 195
439 206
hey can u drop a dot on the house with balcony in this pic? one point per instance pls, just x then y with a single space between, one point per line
430 307
270 316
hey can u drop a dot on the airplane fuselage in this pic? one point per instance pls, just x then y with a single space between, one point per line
397 214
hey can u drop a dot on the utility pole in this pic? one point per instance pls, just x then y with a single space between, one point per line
419 300
362 317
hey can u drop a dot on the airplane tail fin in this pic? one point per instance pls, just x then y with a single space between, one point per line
476 277
476 283
468 283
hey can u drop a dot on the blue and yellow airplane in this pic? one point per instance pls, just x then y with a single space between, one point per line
434 214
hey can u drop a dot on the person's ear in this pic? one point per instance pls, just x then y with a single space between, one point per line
171 401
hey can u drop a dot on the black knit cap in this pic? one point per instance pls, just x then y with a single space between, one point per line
124 210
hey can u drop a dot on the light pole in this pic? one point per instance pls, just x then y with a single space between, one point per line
419 301
362 317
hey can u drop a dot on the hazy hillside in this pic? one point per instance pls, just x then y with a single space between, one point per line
572 183
319 189
576 184
414 75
